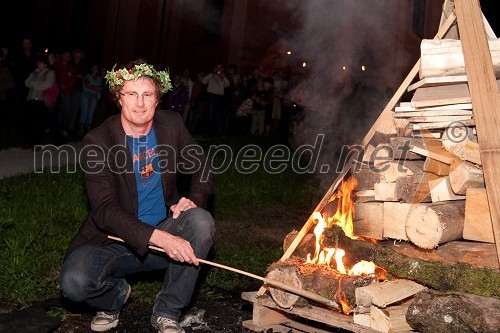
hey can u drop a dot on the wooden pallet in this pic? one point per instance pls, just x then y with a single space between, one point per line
268 315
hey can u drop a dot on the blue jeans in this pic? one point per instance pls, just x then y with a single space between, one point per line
95 274
88 103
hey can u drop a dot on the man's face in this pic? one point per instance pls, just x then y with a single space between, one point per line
138 99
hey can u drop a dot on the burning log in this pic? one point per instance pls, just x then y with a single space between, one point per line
428 225
438 275
318 279
433 311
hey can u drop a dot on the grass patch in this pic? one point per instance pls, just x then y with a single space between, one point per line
41 213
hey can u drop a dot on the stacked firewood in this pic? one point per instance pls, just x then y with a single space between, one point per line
426 185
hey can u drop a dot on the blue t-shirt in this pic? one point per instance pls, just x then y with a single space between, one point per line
152 209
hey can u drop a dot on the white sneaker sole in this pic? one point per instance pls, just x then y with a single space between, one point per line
103 328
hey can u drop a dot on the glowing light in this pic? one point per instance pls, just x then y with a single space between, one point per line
288 52
344 68
363 68
304 64
46 50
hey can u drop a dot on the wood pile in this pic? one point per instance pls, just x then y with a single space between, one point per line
426 185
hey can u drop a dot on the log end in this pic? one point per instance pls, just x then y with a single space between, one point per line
288 275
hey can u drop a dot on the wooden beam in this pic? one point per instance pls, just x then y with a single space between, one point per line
438 81
477 224
485 101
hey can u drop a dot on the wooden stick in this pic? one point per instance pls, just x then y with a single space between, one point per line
298 291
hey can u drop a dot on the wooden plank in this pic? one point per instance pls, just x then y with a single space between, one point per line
485 100
437 119
442 156
321 315
438 81
408 108
441 125
442 95
431 113
477 224
436 167
263 316
386 293
426 134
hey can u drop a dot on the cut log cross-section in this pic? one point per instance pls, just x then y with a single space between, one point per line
429 225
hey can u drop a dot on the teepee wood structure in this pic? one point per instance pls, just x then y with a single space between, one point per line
462 183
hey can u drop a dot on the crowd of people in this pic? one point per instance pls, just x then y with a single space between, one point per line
53 97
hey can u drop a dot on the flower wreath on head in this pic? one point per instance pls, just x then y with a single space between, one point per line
115 77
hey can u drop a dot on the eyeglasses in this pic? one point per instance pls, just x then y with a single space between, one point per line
132 96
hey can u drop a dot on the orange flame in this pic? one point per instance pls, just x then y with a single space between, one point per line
345 207
342 298
343 217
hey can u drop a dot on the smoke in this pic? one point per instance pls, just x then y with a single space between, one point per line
341 98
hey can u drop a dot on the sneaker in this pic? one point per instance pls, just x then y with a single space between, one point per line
166 325
104 321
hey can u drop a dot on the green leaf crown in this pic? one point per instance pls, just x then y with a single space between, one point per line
115 78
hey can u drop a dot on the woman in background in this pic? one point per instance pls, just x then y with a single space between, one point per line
92 86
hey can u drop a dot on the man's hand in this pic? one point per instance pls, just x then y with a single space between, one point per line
183 205
177 248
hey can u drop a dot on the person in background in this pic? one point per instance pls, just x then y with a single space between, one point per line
198 103
6 83
23 64
78 60
42 78
216 83
176 99
188 83
67 74
92 86
133 195
260 104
